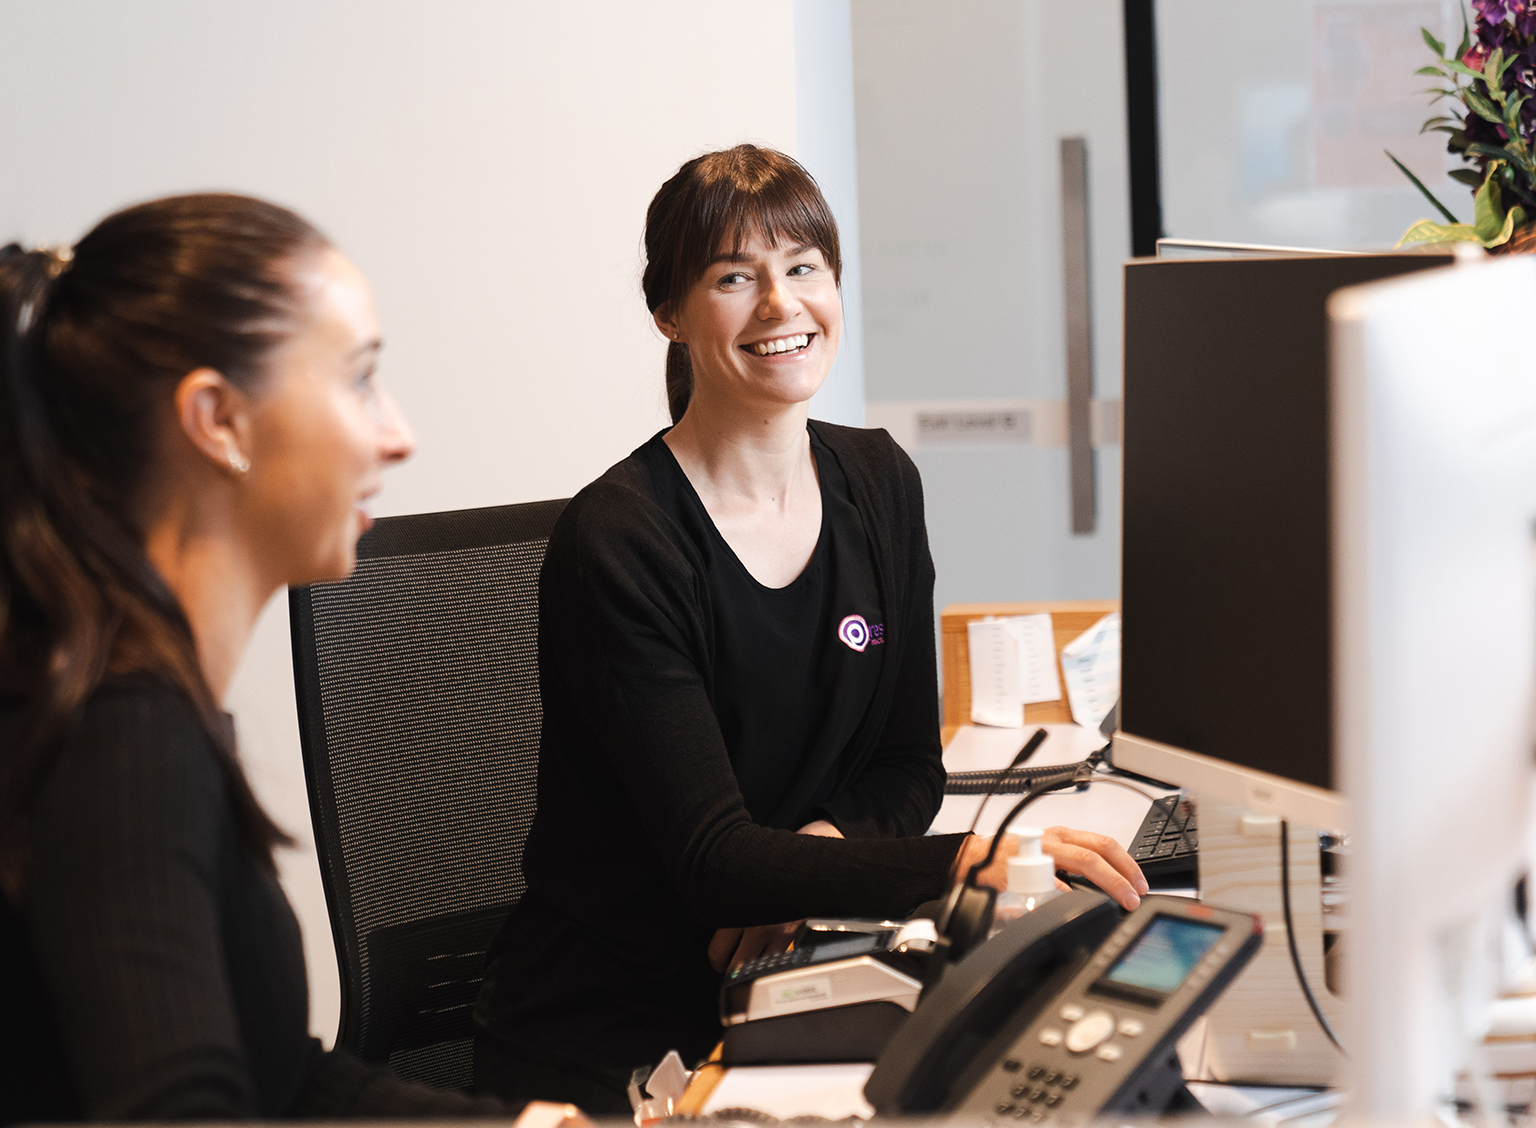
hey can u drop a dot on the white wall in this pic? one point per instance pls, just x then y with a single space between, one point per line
486 163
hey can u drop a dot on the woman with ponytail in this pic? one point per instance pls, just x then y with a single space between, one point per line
737 667
188 421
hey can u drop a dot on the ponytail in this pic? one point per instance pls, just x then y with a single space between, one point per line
90 351
679 380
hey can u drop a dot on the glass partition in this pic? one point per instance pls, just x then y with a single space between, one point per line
1275 120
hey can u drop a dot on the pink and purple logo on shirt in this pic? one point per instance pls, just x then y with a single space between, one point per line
857 634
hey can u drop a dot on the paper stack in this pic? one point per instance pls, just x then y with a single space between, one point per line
1013 664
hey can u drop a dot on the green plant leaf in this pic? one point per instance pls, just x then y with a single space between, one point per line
1493 70
1487 205
1468 176
1515 160
1504 63
1442 124
1419 184
1428 231
1462 68
1430 71
1466 34
1482 149
1434 44
1506 229
1482 107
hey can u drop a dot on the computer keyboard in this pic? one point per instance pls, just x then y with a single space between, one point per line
1168 842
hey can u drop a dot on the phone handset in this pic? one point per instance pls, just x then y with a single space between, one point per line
967 1008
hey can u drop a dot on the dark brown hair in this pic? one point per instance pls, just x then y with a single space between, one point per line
92 348
716 203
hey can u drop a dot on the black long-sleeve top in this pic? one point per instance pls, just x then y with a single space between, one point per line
642 845
153 968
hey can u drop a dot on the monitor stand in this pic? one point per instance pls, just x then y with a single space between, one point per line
1261 1028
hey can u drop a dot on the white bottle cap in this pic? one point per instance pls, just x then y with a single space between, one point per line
1031 871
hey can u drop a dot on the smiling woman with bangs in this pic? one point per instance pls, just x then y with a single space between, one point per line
737 664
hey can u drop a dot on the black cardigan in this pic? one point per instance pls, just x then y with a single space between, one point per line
153 969
642 845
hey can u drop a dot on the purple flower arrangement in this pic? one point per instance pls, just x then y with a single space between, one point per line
1493 75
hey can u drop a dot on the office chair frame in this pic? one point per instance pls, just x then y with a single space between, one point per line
398 536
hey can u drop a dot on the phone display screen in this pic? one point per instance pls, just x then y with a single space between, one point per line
1162 957
856 944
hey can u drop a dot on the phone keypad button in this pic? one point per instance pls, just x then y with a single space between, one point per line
1004 1109
1069 1082
1019 1090
1071 1012
1036 1072
1012 1066
1050 1036
1131 1027
1052 1100
1108 1052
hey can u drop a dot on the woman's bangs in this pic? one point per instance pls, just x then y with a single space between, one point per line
782 216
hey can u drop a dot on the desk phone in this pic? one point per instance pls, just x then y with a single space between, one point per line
1067 1014
837 995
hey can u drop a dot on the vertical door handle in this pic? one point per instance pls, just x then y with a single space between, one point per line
1074 272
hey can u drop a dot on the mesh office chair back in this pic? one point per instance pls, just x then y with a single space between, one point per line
419 714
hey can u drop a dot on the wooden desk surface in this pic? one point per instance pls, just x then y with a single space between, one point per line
1068 620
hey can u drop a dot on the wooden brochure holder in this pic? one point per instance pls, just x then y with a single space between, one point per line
1068 620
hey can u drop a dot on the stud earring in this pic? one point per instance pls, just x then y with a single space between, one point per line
238 462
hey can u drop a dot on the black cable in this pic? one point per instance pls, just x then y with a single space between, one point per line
1031 746
1014 781
1290 937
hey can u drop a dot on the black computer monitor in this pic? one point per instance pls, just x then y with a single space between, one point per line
1226 674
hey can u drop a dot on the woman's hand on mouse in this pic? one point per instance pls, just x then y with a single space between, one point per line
1097 857
729 948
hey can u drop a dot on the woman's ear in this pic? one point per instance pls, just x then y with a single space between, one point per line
215 416
668 325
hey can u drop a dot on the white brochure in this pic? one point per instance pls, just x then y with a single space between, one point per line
1013 663
1091 665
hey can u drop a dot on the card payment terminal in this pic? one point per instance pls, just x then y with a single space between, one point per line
837 995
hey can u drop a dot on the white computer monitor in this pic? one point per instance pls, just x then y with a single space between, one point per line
1433 398
1206 248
